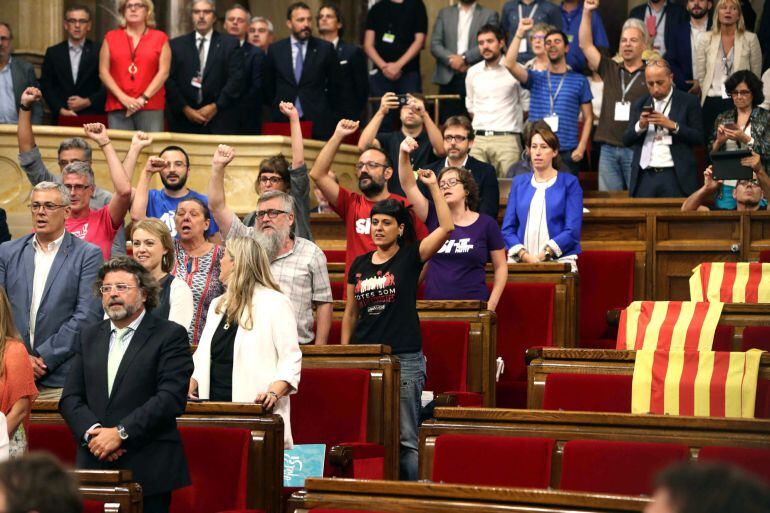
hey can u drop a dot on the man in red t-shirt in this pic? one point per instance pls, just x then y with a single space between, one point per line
373 171
97 226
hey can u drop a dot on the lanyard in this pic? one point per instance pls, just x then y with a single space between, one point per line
728 60
662 15
558 89
531 13
657 128
132 69
624 89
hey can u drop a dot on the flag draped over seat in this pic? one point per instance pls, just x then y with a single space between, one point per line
731 282
675 325
695 383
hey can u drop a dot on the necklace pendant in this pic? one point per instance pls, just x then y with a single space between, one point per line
226 326
132 69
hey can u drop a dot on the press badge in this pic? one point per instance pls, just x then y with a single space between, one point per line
553 122
196 82
523 45
388 37
622 111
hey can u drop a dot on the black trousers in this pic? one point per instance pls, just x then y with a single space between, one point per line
453 107
658 184
159 503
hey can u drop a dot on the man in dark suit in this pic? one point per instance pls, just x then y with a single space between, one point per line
206 78
458 139
663 128
667 23
48 277
15 76
128 384
304 70
331 28
70 75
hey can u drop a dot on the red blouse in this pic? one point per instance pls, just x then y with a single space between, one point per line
147 61
18 380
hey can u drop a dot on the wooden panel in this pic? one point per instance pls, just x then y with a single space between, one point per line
111 486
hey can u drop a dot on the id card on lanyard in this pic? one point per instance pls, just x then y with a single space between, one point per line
623 107
523 43
553 119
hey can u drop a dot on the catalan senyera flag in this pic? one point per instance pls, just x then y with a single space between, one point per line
692 383
731 282
668 325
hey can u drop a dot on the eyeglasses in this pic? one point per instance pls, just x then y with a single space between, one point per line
369 165
196 12
47 206
77 187
745 93
753 182
271 213
272 179
73 21
5 39
118 287
539 37
446 184
458 138
131 7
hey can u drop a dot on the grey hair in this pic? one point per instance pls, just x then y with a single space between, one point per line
10 30
53 186
288 201
634 23
263 20
661 63
212 3
80 168
241 7
75 143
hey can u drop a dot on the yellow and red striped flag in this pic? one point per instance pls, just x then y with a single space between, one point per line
675 325
731 282
700 384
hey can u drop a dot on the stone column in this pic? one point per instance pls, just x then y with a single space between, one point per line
177 17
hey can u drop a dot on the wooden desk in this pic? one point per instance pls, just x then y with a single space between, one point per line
115 488
404 497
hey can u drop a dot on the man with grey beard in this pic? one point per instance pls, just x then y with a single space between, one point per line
297 264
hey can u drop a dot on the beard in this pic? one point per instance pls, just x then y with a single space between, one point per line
174 186
120 312
373 188
272 240
698 15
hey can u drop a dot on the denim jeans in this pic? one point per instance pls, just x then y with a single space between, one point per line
615 168
412 383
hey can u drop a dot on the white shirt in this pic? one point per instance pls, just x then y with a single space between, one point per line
597 90
464 26
494 97
695 32
766 89
721 74
127 337
661 153
76 52
447 164
206 46
8 112
44 258
294 49
181 305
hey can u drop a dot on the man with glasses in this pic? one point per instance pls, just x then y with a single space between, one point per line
458 142
129 381
750 195
74 149
70 75
48 276
297 264
15 76
373 170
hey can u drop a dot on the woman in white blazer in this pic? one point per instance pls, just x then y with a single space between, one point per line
249 350
727 48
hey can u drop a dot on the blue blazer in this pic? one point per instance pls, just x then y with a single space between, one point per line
564 212
68 303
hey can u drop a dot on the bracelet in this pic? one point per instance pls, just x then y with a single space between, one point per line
25 107
105 144
146 98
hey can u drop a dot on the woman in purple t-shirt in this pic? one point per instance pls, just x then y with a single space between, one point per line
457 270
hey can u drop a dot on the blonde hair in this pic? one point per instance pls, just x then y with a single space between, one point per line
159 229
251 269
716 26
7 327
149 18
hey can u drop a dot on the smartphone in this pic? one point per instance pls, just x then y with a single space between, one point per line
731 126
402 99
648 109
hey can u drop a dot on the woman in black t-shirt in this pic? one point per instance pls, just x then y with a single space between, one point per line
382 296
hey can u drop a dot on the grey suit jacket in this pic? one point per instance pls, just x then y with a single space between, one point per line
68 302
443 42
23 76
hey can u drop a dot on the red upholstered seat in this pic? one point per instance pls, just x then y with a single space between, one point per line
445 345
588 392
54 438
493 460
626 468
336 510
217 459
275 128
764 256
335 255
90 506
331 408
80 120
750 459
606 283
524 319
756 337
723 338
762 402
338 290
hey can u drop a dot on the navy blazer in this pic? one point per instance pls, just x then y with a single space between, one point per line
23 76
486 179
356 84
68 302
564 212
148 394
319 88
56 78
251 100
676 38
685 110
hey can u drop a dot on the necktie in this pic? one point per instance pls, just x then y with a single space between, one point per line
116 355
201 59
298 61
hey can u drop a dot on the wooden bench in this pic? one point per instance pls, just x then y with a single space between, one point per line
115 488
384 391
264 474
562 427
383 496
550 360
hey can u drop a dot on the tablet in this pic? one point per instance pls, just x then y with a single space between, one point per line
727 165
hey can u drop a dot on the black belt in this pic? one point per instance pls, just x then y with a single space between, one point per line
488 133
658 169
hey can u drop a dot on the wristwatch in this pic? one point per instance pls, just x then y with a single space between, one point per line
122 433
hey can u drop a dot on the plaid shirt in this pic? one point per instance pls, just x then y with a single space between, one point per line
302 275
